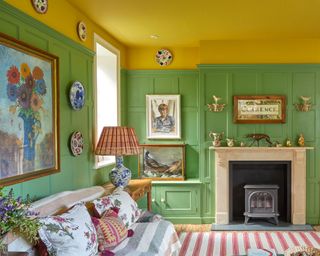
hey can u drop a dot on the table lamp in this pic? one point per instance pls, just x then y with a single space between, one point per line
118 141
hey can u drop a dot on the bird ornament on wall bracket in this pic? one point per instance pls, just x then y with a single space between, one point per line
304 105
216 107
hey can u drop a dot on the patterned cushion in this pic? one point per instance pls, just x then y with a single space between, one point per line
110 230
70 234
128 209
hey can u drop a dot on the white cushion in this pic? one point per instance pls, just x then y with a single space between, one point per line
70 234
128 208
54 203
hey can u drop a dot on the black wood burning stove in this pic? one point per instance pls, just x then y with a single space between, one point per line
261 201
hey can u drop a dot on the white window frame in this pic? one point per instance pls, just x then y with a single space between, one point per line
98 163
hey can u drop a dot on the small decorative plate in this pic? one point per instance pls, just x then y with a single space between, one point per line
77 95
41 6
163 57
76 143
82 31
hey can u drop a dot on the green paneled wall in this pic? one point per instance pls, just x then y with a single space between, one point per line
75 63
290 80
226 81
185 83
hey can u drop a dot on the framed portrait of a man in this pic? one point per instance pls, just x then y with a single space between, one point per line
163 116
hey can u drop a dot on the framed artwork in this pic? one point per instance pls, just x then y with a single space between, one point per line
29 127
163 116
259 109
162 162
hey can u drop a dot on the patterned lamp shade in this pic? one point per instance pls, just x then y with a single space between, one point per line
117 141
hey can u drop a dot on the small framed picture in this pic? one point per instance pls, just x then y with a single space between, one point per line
162 162
163 116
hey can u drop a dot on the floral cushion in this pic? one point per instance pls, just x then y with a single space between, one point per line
110 230
128 209
70 234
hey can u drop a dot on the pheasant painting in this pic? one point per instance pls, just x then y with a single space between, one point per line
160 162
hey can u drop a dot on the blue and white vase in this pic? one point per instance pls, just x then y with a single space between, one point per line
120 175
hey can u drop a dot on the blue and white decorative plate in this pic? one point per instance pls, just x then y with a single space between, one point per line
77 95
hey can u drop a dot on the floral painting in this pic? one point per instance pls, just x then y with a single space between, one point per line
28 119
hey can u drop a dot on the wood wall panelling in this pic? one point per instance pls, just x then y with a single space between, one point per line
185 83
75 63
289 80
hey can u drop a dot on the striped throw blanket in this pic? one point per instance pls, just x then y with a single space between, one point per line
150 239
237 243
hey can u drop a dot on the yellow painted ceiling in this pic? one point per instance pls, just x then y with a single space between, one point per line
185 23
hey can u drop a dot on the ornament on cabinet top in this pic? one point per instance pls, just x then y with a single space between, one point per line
41 6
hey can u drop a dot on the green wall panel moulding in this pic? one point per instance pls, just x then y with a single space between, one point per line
75 63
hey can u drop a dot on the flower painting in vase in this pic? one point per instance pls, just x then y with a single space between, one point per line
29 113
26 89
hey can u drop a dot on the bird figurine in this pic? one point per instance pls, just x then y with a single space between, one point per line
216 99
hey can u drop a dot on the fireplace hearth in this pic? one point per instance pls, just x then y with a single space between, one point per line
261 201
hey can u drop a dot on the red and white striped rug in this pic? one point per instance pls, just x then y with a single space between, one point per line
238 242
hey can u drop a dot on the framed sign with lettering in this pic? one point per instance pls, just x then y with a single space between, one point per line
259 109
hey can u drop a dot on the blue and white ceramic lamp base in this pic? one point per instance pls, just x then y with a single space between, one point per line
120 175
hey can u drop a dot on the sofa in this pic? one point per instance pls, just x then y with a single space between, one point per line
149 233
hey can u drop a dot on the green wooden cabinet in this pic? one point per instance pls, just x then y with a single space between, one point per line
177 201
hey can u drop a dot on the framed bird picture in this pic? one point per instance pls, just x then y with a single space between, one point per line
162 162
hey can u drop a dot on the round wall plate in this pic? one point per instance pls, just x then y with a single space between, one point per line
164 57
41 6
77 95
82 31
76 143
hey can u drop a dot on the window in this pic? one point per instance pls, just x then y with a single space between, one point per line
106 91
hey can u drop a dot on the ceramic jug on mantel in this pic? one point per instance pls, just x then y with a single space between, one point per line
216 138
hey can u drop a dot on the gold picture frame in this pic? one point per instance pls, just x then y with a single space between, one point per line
29 130
259 109
162 162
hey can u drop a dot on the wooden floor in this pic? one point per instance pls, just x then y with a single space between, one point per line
192 227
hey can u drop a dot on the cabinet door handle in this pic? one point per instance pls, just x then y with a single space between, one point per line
162 200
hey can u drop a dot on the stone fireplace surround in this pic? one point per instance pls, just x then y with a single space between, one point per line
297 156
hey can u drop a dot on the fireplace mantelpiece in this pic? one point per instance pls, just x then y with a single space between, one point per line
297 156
